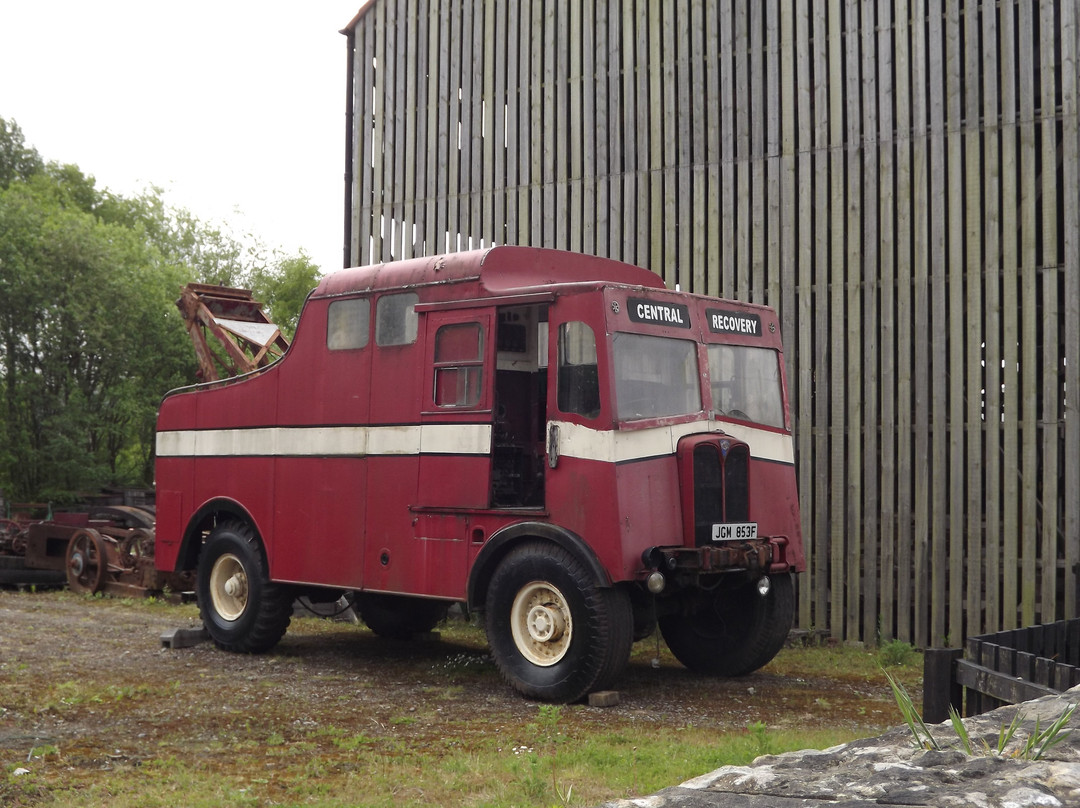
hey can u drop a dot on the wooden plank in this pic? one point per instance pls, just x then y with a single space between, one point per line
1011 479
727 149
755 157
577 90
700 225
871 243
400 156
1029 364
743 145
973 336
466 137
443 156
538 133
656 228
590 213
773 200
905 495
997 685
938 348
615 141
603 166
629 136
851 311
804 335
483 133
669 95
822 489
411 36
553 110
503 67
433 168
712 145
642 73
991 227
839 529
1050 359
683 125
920 371
959 570
885 514
1070 161
362 228
783 267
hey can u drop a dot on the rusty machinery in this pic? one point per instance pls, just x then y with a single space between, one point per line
111 548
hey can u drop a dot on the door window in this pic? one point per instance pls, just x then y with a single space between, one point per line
459 365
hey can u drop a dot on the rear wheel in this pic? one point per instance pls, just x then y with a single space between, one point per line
732 632
554 633
399 617
241 609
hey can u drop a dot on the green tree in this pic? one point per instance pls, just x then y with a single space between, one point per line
17 160
283 288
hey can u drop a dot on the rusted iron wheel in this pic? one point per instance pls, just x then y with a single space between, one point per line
86 561
139 543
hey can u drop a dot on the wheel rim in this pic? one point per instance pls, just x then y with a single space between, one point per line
229 587
85 563
541 623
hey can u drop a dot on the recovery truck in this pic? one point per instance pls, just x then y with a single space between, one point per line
554 440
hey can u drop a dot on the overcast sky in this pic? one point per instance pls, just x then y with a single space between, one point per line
236 108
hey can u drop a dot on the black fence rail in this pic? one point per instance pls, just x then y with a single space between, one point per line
1003 668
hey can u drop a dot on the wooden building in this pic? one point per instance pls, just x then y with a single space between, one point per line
901 180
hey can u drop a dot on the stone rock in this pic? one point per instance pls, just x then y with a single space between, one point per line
891 770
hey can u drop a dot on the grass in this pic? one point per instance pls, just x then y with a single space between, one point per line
307 727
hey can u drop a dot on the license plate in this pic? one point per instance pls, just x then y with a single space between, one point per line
734 531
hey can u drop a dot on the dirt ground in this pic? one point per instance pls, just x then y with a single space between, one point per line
90 677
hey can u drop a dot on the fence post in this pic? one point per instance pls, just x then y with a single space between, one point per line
940 689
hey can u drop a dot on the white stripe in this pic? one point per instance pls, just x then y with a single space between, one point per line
609 446
327 441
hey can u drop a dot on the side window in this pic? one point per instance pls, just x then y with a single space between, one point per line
459 365
579 380
395 319
348 323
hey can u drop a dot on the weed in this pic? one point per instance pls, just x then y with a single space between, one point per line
896 653
1037 743
759 737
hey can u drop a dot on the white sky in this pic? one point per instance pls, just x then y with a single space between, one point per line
236 108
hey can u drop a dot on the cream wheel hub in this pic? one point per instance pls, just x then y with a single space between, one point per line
229 587
541 623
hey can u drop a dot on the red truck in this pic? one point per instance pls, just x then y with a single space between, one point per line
554 440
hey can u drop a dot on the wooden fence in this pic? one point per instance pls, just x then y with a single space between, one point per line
901 180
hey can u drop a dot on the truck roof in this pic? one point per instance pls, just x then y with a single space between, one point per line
498 271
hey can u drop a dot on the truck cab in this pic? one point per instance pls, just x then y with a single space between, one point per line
554 440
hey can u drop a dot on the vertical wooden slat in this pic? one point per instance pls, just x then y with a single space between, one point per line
496 13
361 248
920 372
1070 159
541 169
1029 362
960 569
378 136
603 170
590 212
432 168
641 88
837 329
713 112
1011 479
683 125
578 88
443 154
698 114
991 168
483 98
774 199
804 335
670 95
615 122
754 109
939 436
412 113
905 498
1051 392
973 332
656 142
727 149
742 213
829 586
886 425
630 136
555 173
852 258
871 138
400 156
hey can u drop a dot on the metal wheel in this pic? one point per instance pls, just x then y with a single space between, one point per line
229 587
541 623
139 543
86 561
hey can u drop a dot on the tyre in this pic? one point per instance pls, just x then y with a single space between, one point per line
555 635
399 617
241 609
732 632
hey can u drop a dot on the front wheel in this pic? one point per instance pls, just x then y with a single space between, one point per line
731 632
241 609
555 634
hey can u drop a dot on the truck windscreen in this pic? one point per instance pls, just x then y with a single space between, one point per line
745 383
654 376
